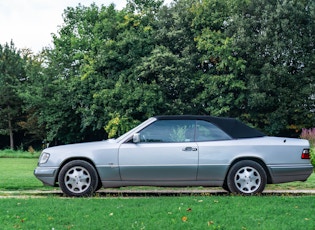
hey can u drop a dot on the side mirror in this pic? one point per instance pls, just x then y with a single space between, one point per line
136 138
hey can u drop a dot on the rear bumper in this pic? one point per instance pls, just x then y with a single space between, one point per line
46 175
288 173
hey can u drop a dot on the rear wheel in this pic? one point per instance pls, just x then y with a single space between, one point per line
246 177
78 178
99 186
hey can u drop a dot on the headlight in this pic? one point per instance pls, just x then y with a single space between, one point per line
43 158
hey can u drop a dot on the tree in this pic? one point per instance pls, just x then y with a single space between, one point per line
255 55
12 74
159 64
221 85
70 78
111 69
276 39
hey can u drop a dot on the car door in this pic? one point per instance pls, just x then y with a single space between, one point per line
166 152
216 150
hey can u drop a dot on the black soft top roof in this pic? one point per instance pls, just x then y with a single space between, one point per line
233 127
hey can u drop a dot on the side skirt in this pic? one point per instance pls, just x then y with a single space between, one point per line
115 184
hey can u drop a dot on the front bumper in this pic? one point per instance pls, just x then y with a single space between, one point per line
46 175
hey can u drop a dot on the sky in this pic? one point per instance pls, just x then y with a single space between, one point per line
30 23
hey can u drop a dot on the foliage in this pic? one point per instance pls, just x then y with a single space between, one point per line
12 74
119 125
221 95
279 52
309 134
110 69
313 156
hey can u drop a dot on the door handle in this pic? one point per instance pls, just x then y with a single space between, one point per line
189 149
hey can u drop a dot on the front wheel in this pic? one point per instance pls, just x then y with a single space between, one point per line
78 178
246 177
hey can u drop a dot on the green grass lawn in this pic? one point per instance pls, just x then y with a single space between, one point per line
17 174
186 212
157 212
8 153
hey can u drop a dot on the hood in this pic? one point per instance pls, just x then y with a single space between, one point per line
81 147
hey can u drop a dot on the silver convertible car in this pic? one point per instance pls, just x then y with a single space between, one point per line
178 151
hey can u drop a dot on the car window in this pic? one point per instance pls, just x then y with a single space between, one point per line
168 131
206 131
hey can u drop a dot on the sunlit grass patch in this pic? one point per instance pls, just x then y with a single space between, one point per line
17 174
187 212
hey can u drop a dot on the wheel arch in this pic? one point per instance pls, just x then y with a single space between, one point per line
72 159
257 160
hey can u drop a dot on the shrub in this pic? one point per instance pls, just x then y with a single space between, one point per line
313 156
309 134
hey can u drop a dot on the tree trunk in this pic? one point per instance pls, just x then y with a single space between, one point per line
11 134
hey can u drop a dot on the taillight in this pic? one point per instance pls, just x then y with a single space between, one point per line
305 154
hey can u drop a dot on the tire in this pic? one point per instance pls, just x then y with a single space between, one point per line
99 186
225 187
247 178
78 178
